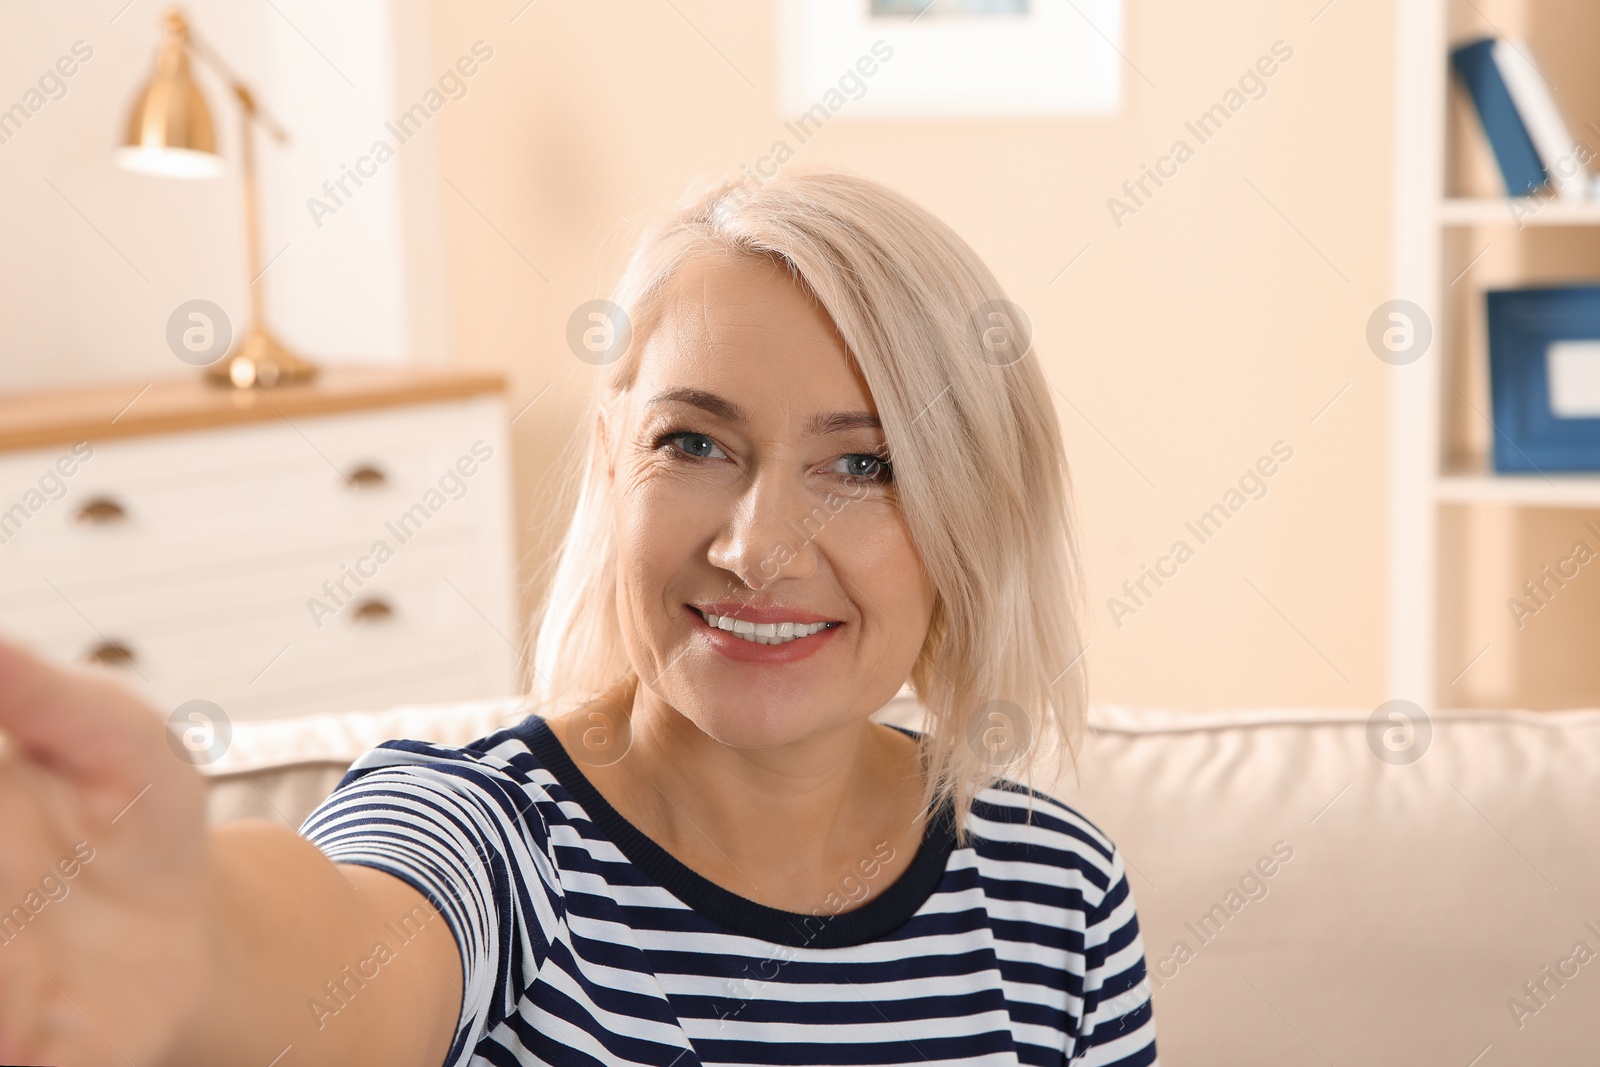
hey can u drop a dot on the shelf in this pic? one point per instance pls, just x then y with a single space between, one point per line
1519 211
1526 490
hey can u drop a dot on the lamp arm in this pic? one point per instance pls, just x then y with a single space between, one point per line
247 99
257 115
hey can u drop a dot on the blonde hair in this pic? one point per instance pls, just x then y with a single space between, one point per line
980 469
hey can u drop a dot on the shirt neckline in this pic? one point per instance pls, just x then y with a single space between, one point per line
879 916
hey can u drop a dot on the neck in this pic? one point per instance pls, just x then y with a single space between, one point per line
815 804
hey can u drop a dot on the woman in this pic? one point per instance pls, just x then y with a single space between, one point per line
825 465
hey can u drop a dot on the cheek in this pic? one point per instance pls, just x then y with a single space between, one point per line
657 527
882 572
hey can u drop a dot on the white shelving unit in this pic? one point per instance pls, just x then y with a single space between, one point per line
1521 211
1422 483
1414 397
1532 491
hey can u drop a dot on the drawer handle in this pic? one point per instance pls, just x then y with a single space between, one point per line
367 476
374 609
110 654
101 511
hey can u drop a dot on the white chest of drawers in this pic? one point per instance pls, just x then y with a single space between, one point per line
344 544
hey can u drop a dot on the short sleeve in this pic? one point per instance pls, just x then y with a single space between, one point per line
467 830
1118 1028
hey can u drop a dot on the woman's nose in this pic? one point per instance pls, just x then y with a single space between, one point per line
767 534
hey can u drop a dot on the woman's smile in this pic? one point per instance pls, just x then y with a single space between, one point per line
764 635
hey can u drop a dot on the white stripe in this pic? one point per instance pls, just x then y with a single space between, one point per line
839 1033
762 990
1118 1047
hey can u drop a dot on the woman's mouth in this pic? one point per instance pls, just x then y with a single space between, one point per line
764 633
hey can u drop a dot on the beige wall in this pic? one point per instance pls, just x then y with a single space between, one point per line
1220 318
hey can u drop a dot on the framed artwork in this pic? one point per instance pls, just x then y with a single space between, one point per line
863 59
1544 377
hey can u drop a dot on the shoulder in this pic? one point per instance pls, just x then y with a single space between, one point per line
477 830
1028 841
502 778
1026 836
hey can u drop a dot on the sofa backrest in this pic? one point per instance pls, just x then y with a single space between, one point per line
1313 887
1312 891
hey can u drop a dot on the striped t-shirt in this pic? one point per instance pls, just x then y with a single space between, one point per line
584 942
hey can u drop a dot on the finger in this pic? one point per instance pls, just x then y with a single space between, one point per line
76 723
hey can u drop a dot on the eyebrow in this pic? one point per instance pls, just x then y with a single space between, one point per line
726 410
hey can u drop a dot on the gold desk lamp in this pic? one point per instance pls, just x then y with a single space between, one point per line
170 134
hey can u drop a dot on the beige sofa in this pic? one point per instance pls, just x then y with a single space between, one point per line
1303 900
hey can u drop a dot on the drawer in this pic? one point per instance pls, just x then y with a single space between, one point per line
275 642
433 682
151 511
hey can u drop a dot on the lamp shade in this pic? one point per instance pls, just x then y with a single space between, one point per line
169 129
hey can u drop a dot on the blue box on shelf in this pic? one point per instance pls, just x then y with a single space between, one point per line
1544 378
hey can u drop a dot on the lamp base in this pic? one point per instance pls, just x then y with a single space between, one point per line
261 359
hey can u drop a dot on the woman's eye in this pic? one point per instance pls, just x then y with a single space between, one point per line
693 444
865 467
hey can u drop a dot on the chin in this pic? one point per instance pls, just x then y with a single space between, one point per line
753 722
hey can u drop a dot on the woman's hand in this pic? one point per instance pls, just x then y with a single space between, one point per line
132 935
103 917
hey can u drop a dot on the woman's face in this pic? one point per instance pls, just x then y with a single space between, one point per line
751 483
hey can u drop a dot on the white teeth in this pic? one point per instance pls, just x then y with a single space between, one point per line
765 633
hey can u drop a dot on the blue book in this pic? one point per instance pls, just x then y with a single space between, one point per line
1508 135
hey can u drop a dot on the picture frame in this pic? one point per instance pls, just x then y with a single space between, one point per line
1544 376
953 58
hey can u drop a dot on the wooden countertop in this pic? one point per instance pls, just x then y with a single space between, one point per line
130 409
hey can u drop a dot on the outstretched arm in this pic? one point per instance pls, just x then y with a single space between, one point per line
130 933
